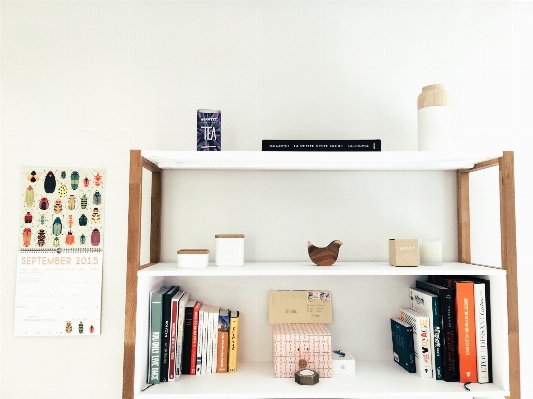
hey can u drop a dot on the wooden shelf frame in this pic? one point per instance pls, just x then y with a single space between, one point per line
505 164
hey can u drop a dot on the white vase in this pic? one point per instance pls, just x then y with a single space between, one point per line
433 119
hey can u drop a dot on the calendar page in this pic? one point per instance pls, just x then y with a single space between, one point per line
58 293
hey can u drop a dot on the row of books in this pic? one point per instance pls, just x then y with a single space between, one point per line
445 333
189 337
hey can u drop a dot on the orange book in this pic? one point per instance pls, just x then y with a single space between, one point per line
223 337
194 338
466 330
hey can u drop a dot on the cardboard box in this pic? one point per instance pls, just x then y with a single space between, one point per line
307 342
310 306
342 362
403 252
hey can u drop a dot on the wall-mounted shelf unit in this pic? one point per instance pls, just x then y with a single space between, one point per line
375 378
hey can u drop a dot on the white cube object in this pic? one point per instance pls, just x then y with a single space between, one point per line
430 253
229 249
343 362
193 258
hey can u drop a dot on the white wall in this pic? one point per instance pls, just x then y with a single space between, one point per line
83 82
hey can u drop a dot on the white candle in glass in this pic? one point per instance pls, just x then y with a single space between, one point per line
431 253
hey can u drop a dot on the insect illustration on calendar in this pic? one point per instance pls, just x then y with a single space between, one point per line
58 206
63 174
32 177
91 329
43 204
86 182
57 227
82 220
83 239
50 182
42 219
70 221
29 197
26 237
83 201
69 239
80 327
74 180
63 190
41 238
95 218
68 327
97 198
56 242
71 202
98 179
28 218
95 238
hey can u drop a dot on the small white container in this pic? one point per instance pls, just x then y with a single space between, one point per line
229 249
431 253
193 258
342 362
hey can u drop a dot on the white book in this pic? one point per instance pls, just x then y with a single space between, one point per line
482 353
421 340
209 352
174 314
200 339
215 339
427 304
205 329
179 341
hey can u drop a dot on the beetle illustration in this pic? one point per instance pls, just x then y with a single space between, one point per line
82 220
42 219
58 206
86 182
83 201
41 238
33 177
96 216
63 174
98 180
68 327
97 198
70 222
95 238
74 180
80 328
49 182
57 227
69 239
91 329
28 217
63 190
26 237
71 202
29 197
43 204
83 239
56 242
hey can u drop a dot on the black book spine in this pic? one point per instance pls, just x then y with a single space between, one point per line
187 341
165 338
321 145
447 312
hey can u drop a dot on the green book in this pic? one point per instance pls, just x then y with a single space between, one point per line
156 322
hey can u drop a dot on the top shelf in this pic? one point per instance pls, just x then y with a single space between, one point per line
272 160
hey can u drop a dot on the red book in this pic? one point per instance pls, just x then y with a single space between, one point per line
466 330
194 345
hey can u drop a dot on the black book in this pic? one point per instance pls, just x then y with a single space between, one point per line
477 280
403 344
165 332
321 145
187 338
447 324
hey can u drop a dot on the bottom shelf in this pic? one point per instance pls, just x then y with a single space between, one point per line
373 379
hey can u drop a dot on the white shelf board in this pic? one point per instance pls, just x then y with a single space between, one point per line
373 379
272 160
309 269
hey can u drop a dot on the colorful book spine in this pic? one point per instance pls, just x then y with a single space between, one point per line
173 335
179 340
403 345
205 334
466 331
194 341
421 338
156 321
481 333
448 333
428 304
321 145
222 349
187 338
165 339
233 341
200 339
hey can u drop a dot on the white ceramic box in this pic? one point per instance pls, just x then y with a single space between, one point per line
229 249
342 362
193 258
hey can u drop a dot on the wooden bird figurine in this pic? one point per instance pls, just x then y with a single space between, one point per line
324 256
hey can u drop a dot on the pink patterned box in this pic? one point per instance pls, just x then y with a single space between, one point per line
301 341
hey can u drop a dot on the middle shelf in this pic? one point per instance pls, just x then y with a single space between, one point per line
309 269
